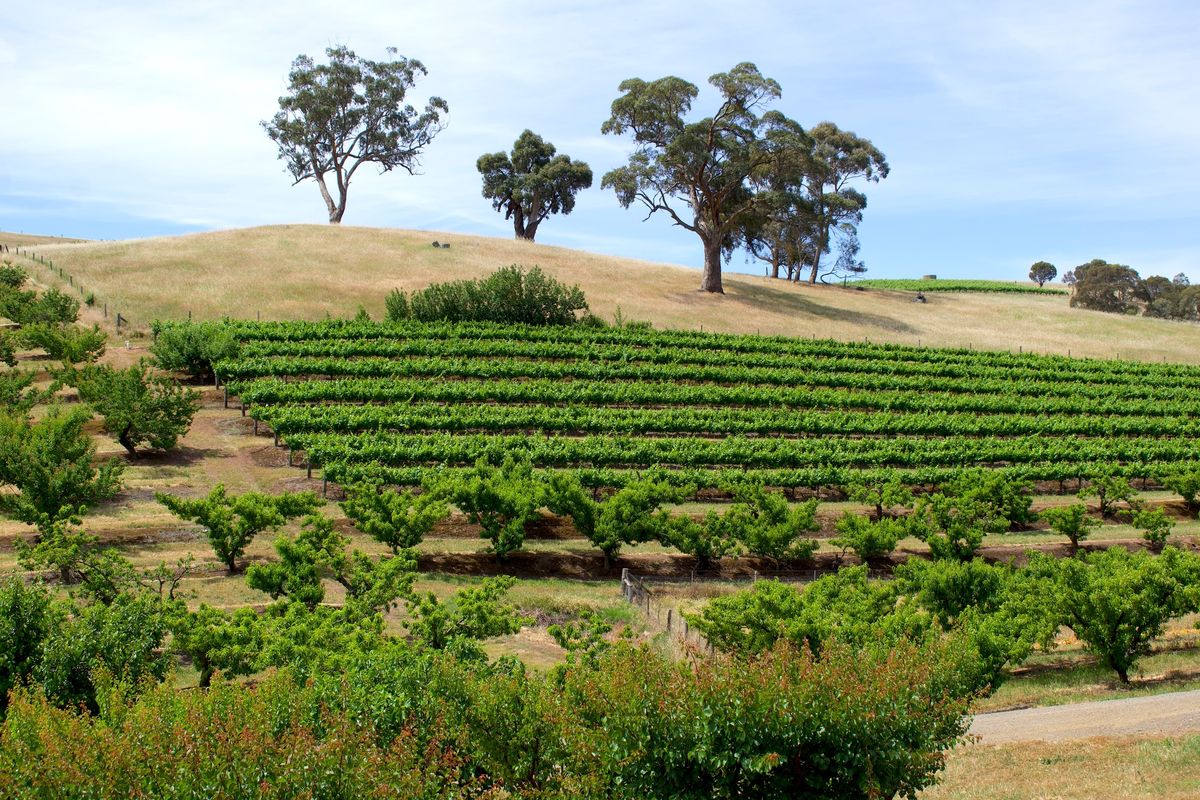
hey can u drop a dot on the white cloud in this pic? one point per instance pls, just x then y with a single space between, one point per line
1080 110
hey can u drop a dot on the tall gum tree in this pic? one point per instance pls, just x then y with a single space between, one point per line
533 183
838 157
698 173
349 112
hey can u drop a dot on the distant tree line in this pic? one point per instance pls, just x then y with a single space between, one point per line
1101 286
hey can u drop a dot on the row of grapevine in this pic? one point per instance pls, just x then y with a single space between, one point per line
401 400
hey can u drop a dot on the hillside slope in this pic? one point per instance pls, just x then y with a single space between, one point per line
311 271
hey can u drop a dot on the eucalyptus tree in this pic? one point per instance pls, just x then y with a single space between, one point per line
349 112
532 183
701 174
837 159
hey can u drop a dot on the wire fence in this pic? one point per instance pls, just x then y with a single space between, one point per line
121 321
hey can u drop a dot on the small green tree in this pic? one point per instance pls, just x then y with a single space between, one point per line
192 348
950 588
845 606
883 493
1118 602
319 552
767 526
232 522
18 394
69 344
1109 489
996 501
1186 484
123 640
953 527
25 621
218 641
139 408
707 540
478 612
1042 271
631 515
533 183
398 519
1156 527
501 500
102 572
1070 521
50 464
8 349
871 540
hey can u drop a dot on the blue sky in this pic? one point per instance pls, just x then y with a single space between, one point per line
1015 131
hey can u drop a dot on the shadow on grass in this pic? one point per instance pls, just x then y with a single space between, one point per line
769 298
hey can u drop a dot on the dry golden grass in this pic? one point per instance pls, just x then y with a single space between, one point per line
310 271
1128 768
23 239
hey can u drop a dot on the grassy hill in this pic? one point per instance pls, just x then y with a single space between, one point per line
311 271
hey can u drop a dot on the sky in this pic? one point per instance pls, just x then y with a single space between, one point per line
1015 131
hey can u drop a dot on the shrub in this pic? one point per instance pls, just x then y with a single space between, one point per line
871 540
66 343
511 294
501 500
193 348
1070 521
1156 527
50 464
12 276
139 408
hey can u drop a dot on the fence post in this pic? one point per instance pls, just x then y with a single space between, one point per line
670 613
227 395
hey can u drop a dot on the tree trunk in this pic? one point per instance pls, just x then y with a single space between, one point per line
335 209
206 673
518 218
127 442
711 282
531 230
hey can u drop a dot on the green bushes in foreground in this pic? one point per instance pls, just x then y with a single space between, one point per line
407 722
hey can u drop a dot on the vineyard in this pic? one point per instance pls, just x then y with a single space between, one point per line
397 401
1002 287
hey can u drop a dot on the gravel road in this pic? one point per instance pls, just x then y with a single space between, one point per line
1164 714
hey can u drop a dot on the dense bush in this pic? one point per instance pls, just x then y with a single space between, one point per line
12 276
404 722
69 344
138 408
50 464
510 294
193 348
28 307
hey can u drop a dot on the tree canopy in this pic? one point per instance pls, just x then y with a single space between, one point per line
532 183
699 173
349 112
1042 271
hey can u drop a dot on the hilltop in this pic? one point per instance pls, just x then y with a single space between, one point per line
314 271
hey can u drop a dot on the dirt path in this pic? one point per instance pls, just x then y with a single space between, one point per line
1162 714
